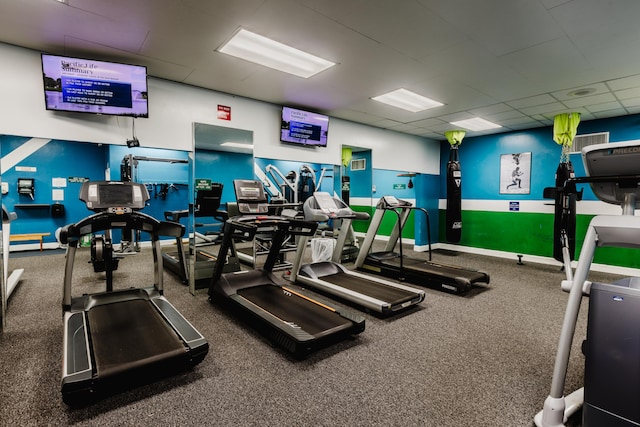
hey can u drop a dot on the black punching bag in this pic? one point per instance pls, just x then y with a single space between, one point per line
565 211
346 188
454 198
454 188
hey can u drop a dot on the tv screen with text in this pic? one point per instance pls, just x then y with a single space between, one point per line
98 87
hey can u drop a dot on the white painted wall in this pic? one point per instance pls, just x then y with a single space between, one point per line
173 109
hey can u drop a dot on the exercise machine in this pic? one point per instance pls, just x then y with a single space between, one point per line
10 280
372 293
259 247
207 206
129 172
611 389
119 338
290 318
398 266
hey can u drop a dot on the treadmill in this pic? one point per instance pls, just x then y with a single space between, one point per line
119 338
449 278
207 205
371 293
290 318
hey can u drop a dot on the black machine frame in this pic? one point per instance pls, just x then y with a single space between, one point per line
449 278
289 317
153 338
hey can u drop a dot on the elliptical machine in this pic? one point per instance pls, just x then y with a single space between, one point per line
611 392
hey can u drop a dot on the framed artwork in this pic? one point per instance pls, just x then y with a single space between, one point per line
515 173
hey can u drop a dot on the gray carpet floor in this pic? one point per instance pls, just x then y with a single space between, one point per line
483 359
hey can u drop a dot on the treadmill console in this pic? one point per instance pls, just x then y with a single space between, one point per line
617 161
251 197
114 196
326 203
390 202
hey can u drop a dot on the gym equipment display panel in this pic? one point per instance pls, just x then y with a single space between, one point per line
152 338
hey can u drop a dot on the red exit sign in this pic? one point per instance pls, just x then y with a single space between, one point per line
224 112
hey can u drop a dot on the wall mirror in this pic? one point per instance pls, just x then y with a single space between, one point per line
220 155
355 184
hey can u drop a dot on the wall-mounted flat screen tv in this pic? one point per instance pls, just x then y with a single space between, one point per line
98 87
304 127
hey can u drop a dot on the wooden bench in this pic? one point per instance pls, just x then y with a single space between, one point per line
29 237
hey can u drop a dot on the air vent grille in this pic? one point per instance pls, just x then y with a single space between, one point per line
358 164
581 141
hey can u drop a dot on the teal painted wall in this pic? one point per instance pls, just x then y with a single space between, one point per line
526 232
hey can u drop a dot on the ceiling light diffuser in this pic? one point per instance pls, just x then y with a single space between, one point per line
261 50
476 123
407 100
237 145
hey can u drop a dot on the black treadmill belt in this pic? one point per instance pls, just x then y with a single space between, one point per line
314 319
130 334
440 270
370 288
205 256
246 250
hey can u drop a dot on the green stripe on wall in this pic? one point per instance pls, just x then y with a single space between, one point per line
530 234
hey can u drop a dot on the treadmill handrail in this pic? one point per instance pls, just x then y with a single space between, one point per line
249 225
108 220
397 212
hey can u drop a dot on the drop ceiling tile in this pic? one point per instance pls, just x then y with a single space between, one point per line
556 64
491 109
543 109
441 128
604 107
624 83
531 101
610 113
632 102
425 123
498 28
506 115
519 121
628 93
404 127
587 100
550 4
462 115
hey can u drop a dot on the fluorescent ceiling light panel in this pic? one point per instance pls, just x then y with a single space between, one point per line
261 50
237 145
476 123
407 100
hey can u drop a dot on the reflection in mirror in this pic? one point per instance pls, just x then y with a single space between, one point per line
354 184
43 193
356 180
3 291
221 154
